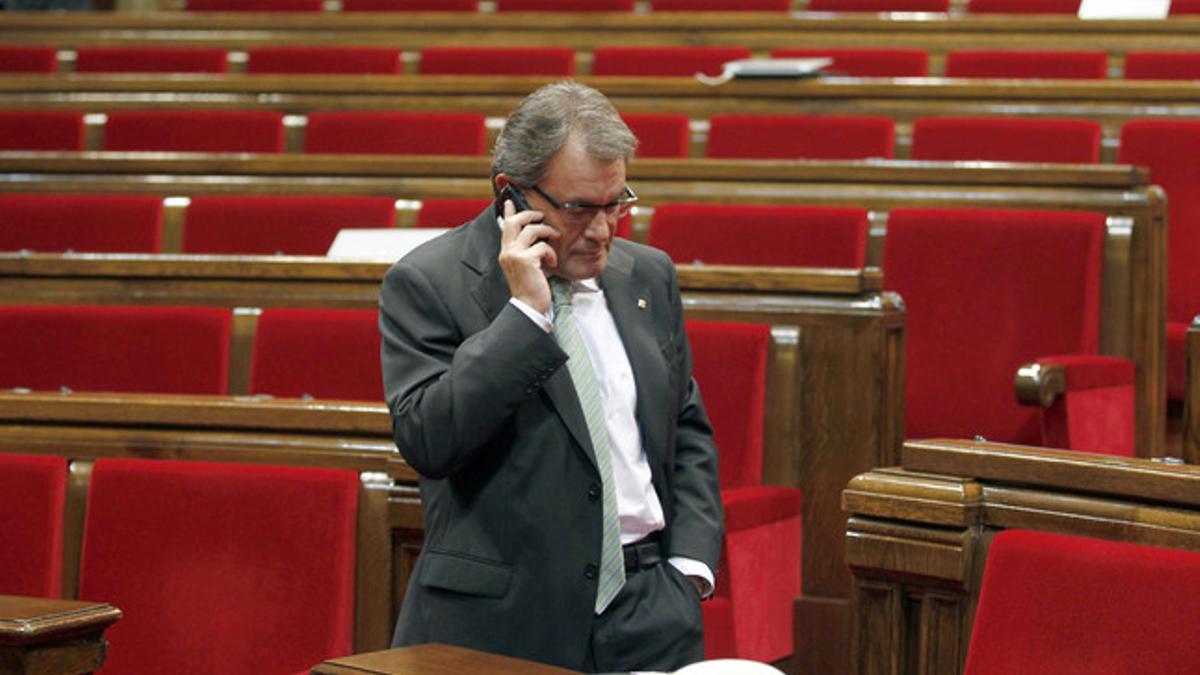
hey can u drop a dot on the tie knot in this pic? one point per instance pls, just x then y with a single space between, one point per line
560 292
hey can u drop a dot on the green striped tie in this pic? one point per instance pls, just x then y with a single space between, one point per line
579 364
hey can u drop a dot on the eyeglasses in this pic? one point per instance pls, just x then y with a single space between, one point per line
582 213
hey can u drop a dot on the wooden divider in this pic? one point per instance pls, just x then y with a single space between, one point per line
918 534
1191 411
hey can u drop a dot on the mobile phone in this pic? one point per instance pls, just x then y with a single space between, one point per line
511 192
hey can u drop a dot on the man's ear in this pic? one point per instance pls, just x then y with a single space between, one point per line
498 183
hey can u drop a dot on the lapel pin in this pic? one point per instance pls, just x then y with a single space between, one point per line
641 303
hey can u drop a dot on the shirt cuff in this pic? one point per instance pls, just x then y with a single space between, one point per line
694 568
537 317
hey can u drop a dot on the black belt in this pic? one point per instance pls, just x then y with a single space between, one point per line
642 554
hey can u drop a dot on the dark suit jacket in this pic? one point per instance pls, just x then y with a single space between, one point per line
483 407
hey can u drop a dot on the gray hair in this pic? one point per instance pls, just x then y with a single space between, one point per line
542 123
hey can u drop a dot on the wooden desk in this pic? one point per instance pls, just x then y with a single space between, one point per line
433 659
45 636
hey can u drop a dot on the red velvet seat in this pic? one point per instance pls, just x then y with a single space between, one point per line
564 5
221 568
498 61
664 61
1184 7
986 291
1162 65
288 224
1006 139
53 223
31 531
1060 65
1168 148
1056 603
317 353
123 59
449 212
1023 6
323 59
750 613
410 5
255 5
396 133
28 59
152 349
194 131
865 62
660 134
752 234
61 130
720 5
799 137
878 5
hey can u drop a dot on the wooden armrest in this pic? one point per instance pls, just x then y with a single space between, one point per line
1039 384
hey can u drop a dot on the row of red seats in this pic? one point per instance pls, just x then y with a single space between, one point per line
660 61
974 6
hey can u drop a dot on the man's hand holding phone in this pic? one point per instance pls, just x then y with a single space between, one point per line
526 255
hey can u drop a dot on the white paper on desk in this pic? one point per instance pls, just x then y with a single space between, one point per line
1124 9
382 244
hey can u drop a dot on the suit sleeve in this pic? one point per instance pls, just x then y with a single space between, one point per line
449 394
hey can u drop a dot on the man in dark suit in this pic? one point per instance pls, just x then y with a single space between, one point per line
501 401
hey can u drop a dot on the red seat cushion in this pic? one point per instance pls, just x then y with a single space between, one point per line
41 130
323 59
28 59
865 62
168 350
564 5
255 5
228 568
1162 65
194 130
34 489
449 212
800 137
1054 603
151 60
878 5
498 61
396 133
1023 6
317 353
720 5
1180 7
1064 65
664 61
751 234
410 5
266 225
660 134
53 223
1006 139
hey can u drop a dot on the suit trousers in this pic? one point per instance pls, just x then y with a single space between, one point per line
654 623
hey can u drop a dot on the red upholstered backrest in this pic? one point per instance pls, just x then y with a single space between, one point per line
1169 148
865 62
41 130
227 568
266 225
396 133
498 61
410 5
878 5
1055 603
319 353
31 531
720 5
28 59
1063 65
194 130
1023 6
1162 65
660 134
169 350
729 361
1184 7
985 291
323 59
151 60
664 61
752 234
800 137
1006 139
255 5
53 223
449 212
564 5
